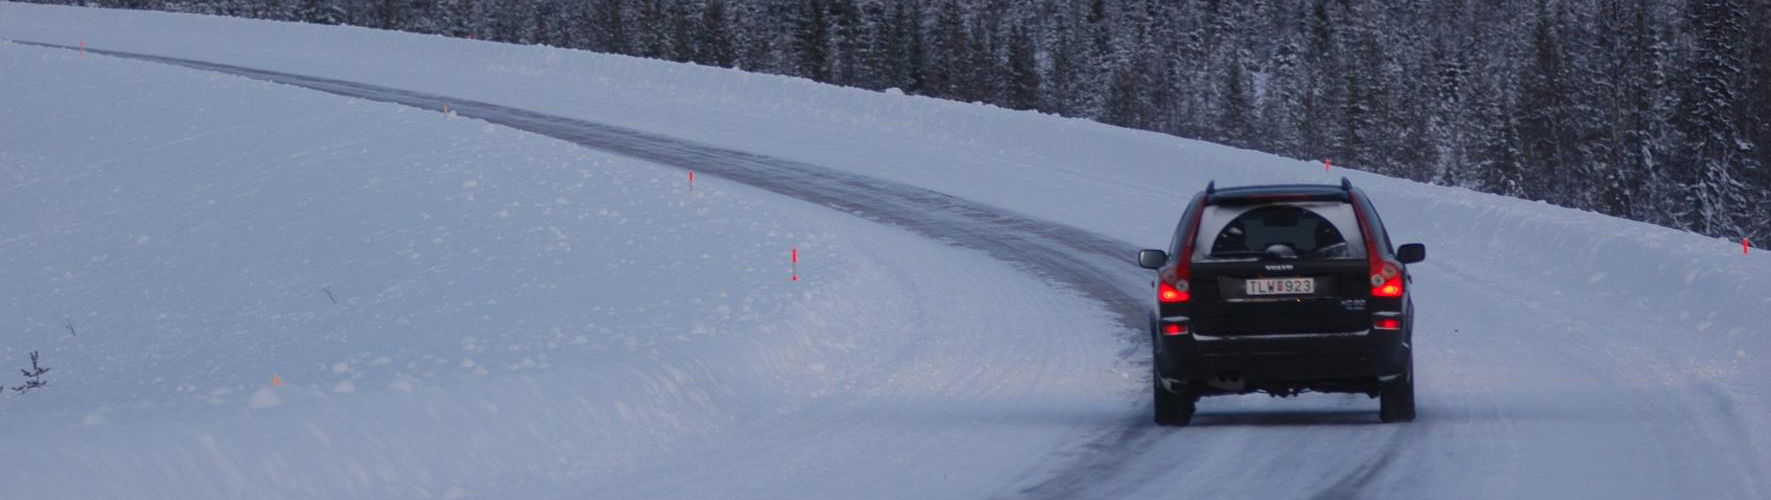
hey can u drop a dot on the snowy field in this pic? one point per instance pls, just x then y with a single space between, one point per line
516 316
451 307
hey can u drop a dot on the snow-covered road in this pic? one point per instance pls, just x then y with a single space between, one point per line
1562 353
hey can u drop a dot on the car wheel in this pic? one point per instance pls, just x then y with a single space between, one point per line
1173 409
1396 398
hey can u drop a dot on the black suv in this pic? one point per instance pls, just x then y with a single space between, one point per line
1282 289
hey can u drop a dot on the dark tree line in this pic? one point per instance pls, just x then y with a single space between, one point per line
1655 110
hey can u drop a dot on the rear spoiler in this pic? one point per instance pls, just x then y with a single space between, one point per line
1267 194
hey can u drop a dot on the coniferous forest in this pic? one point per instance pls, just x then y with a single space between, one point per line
1654 110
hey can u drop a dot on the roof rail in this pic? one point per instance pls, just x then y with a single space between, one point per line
1211 187
1346 185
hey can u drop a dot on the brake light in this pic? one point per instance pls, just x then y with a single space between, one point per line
1386 280
1386 276
1387 324
1174 286
1167 293
1173 329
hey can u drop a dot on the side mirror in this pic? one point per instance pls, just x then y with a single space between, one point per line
1411 253
1152 259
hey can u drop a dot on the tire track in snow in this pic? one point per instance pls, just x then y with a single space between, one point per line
1096 266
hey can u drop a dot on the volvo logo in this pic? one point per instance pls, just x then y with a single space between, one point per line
1280 267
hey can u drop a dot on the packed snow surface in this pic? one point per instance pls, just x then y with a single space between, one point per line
279 292
516 316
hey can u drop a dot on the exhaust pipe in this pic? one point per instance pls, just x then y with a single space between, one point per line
1230 382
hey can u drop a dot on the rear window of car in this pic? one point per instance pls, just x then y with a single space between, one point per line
1302 230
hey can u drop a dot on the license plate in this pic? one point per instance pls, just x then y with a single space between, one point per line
1281 286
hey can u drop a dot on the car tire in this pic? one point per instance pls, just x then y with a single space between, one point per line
1173 409
1396 397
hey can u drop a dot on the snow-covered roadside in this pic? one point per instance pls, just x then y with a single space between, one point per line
279 292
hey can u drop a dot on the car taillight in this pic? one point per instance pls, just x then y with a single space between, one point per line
1173 329
1386 278
1169 294
1174 287
1387 324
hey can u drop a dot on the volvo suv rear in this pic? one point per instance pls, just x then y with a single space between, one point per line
1281 289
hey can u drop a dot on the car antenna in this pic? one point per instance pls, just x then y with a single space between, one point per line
1211 187
1346 185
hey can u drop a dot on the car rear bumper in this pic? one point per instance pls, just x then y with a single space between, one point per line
1358 355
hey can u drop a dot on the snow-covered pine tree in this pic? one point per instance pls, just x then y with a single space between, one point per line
1365 98
1323 96
652 30
1544 106
1281 112
1236 105
714 36
981 79
1099 70
1713 145
1064 80
916 62
1755 114
1023 70
946 48
1124 106
811 41
850 43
